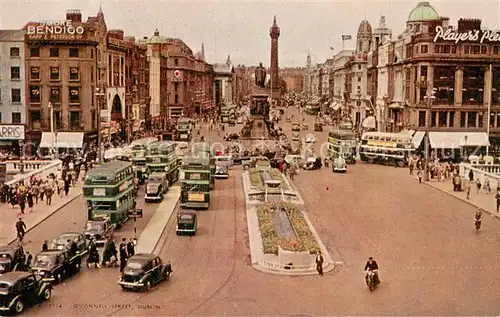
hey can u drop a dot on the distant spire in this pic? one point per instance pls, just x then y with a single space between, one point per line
157 33
202 50
100 8
274 20
228 61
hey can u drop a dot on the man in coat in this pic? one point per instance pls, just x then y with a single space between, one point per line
21 229
123 254
131 248
319 263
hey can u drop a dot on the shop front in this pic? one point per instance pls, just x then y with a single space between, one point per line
458 145
12 138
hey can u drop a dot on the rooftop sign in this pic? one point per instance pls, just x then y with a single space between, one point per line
478 36
11 132
54 30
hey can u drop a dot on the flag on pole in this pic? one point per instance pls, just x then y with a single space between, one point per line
346 37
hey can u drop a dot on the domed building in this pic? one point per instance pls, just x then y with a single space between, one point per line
364 37
421 14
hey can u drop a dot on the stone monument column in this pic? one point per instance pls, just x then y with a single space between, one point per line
274 83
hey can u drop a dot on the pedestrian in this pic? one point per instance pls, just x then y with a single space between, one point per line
27 261
29 200
60 187
319 263
22 202
468 188
123 254
67 183
419 175
45 245
131 248
21 229
48 193
487 187
497 197
168 269
471 175
478 185
35 192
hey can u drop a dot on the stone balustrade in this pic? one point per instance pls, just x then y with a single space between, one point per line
15 167
42 171
483 172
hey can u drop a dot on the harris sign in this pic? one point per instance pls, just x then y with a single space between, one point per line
11 132
475 36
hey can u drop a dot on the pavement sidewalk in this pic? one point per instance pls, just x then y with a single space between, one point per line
41 211
483 200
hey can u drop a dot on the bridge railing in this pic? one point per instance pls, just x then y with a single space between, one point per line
14 167
483 172
41 172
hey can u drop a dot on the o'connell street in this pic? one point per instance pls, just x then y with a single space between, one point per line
357 176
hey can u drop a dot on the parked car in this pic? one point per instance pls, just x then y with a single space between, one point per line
11 258
19 289
56 265
318 127
313 163
187 222
295 160
142 271
99 229
61 242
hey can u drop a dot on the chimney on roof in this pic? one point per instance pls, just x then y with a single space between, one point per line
74 15
465 25
117 34
144 37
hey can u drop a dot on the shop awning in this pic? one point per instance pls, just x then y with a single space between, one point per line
335 106
455 140
62 140
417 138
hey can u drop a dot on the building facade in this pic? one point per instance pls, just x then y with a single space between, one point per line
294 78
223 83
12 77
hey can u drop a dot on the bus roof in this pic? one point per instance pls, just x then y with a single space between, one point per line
195 160
161 145
342 132
144 141
401 135
109 169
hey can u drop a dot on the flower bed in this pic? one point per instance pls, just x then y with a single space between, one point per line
256 180
304 241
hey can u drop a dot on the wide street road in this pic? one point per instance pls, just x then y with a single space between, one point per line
431 260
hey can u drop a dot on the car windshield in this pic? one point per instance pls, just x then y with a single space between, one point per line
44 260
134 265
94 226
186 217
62 241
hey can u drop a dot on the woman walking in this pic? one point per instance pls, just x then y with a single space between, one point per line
29 198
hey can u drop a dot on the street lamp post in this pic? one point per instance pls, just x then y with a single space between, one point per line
358 115
466 137
429 100
52 130
98 94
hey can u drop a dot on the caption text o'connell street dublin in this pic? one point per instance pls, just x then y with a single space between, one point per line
153 167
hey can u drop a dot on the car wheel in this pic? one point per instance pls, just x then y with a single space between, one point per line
19 306
148 286
47 294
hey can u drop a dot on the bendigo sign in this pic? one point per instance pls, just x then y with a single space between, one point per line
55 30
478 36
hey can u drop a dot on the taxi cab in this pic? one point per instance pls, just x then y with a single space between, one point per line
156 186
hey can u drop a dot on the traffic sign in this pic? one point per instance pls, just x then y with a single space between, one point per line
135 213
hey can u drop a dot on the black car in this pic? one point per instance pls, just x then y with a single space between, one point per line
11 258
61 242
142 271
187 222
231 137
56 265
99 229
18 289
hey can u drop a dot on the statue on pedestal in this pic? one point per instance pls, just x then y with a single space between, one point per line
260 76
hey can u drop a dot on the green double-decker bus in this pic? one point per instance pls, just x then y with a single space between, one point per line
225 112
139 157
195 179
110 192
162 157
184 129
204 150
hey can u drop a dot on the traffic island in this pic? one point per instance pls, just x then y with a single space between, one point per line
282 238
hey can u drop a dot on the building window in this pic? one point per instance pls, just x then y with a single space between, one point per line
436 48
58 120
55 94
453 49
54 52
452 119
73 52
92 74
471 119
74 120
492 120
359 79
176 99
466 49
425 49
35 52
442 119
54 73
359 66
176 61
74 95
495 50
446 49
16 117
176 86
15 73
475 49
483 49
421 118
92 53
74 73
14 52
433 118
35 73
35 119
480 120
34 94
463 116
94 119
416 49
15 95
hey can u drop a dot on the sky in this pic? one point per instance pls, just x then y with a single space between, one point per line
241 28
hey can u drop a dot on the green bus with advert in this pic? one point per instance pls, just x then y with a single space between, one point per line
110 192
204 150
161 156
195 179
